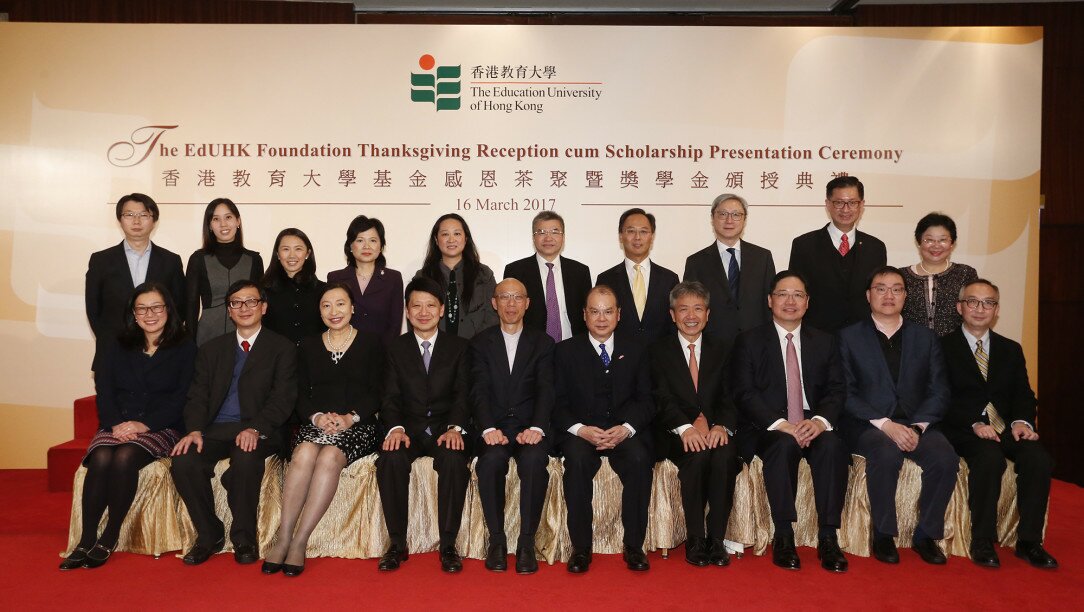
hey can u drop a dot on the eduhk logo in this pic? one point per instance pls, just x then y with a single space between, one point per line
440 87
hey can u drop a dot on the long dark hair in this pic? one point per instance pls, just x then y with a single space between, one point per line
132 337
471 262
276 275
360 224
209 240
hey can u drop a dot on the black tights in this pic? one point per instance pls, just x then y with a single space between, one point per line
111 480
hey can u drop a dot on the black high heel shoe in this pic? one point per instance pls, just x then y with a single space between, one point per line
74 560
292 571
98 555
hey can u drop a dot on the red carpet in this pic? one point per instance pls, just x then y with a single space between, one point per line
33 530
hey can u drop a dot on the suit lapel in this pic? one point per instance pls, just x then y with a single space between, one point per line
654 286
718 272
523 349
874 348
776 363
120 263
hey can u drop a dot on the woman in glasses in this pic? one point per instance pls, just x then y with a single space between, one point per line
142 382
934 283
452 260
293 291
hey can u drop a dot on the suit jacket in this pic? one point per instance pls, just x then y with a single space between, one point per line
922 391
656 321
837 285
759 377
729 317
512 401
266 390
380 309
591 394
414 399
677 402
151 390
109 287
576 279
1007 387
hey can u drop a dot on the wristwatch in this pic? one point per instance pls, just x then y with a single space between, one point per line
917 429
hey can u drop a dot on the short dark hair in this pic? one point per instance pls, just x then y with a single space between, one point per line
425 285
132 337
881 272
360 224
338 285
209 240
276 274
243 284
635 211
841 182
935 219
979 281
548 215
147 202
696 288
785 274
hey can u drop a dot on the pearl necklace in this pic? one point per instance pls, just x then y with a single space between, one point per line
337 352
928 273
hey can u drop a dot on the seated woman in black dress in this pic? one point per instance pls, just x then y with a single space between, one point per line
377 289
452 260
339 372
293 291
141 383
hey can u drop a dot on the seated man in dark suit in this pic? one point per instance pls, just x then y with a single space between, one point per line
697 418
512 395
789 388
114 273
603 409
425 411
992 417
243 392
896 393
556 285
737 273
642 286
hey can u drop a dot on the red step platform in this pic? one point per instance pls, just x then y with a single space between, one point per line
64 459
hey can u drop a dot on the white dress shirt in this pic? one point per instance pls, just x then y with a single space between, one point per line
137 263
559 281
837 236
645 269
609 342
725 256
796 338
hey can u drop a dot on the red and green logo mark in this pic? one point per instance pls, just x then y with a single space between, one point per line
441 88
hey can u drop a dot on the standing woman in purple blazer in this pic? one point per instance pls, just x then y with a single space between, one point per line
376 289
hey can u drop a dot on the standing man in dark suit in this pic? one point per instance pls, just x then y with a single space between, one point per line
697 419
991 418
837 259
512 395
603 409
789 388
114 273
736 272
897 392
425 411
556 285
243 392
642 286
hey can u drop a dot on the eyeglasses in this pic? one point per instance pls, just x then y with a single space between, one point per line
941 242
141 311
849 204
130 216
511 297
799 296
725 214
238 304
974 303
883 289
552 232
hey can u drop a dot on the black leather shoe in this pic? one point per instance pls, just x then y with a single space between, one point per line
930 552
202 552
74 560
497 558
450 561
246 554
696 551
392 559
831 556
784 554
292 571
526 560
717 553
1036 555
635 559
884 549
983 553
270 568
579 562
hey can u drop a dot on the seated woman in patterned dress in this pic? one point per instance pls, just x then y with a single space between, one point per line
142 384
339 373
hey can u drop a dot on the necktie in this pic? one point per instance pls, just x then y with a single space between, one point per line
733 274
245 345
794 383
844 245
604 355
694 370
983 361
426 358
553 311
639 291
451 307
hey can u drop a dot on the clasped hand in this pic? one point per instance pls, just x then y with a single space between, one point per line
604 439
331 422
128 430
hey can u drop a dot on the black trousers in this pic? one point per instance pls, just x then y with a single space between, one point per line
828 462
393 480
707 478
986 464
633 462
532 461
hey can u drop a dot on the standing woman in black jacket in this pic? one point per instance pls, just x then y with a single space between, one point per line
293 291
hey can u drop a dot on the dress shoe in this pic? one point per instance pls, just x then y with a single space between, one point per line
831 556
526 560
983 553
717 553
74 560
450 561
246 554
270 568
97 556
202 552
1036 555
930 552
579 562
392 559
784 554
292 571
497 558
635 559
696 551
884 549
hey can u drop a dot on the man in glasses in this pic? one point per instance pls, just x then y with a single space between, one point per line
243 392
992 418
737 273
512 395
837 259
897 393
